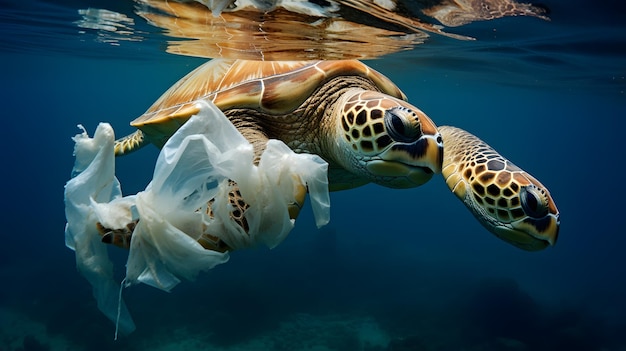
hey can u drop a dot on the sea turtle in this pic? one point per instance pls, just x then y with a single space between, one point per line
361 124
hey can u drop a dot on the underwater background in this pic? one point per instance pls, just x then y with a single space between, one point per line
394 269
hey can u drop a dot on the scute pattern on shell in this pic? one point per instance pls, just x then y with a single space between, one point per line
208 80
274 87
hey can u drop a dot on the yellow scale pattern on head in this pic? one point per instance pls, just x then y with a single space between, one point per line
363 125
508 201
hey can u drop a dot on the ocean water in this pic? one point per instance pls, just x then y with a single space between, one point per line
394 269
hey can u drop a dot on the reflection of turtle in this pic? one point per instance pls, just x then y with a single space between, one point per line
359 122
315 29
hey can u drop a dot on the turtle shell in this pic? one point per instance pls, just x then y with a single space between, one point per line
272 87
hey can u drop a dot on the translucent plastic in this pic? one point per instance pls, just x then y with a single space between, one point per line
194 166
94 183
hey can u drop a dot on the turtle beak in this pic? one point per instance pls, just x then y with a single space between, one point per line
413 164
532 234
425 153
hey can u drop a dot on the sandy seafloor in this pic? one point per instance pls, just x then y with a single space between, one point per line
394 269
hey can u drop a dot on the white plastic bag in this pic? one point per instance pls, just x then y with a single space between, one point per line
94 183
194 166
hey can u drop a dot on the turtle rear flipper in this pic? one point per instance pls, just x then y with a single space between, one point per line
130 143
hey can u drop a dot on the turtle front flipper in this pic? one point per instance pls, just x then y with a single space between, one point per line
255 135
239 206
130 143
505 199
121 237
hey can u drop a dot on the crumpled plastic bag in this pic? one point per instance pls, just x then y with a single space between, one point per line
194 166
94 182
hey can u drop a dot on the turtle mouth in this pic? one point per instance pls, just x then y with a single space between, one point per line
396 174
522 239
407 165
531 234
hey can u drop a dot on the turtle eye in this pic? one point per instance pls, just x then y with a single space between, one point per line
534 201
402 124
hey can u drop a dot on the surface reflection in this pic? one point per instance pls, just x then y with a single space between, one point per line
298 30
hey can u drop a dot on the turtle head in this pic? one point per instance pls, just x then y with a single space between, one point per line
386 140
507 200
521 210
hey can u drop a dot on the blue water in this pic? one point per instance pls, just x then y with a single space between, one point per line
551 96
